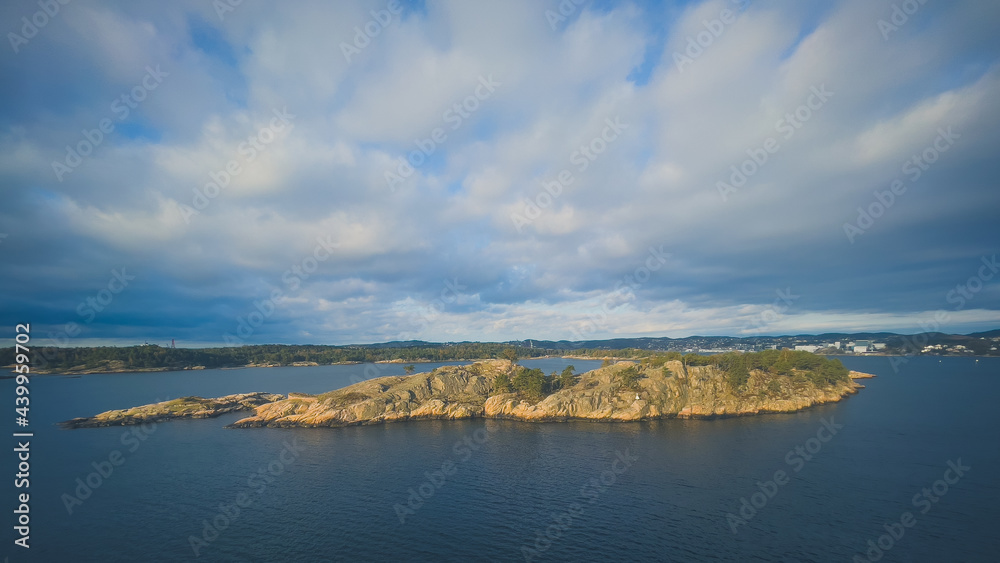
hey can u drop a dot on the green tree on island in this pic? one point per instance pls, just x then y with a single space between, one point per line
502 384
628 378
509 353
532 383
566 378
409 369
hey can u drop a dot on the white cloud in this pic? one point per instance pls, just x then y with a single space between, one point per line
655 185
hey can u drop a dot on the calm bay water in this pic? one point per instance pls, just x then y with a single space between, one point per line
492 488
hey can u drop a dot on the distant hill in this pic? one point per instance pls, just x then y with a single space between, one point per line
396 344
105 359
987 334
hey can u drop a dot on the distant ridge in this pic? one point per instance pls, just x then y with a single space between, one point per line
153 357
988 334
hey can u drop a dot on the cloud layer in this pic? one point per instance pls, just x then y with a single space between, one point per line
314 172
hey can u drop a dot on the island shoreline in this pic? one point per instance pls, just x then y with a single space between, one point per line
668 390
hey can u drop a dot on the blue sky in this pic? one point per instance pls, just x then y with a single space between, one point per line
637 116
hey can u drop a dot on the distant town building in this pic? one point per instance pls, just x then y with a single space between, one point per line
807 347
862 346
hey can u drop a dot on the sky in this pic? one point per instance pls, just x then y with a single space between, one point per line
224 172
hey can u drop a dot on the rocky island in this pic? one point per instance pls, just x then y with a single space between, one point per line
657 387
185 407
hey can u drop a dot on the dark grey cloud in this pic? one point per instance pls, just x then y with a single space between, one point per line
439 257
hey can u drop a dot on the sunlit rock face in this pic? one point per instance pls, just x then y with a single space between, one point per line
455 392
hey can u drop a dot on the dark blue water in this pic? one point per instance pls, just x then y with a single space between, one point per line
492 489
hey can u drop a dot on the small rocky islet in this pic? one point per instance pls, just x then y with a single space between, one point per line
184 407
624 391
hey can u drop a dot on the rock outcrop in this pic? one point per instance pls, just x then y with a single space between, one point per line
454 392
671 390
186 407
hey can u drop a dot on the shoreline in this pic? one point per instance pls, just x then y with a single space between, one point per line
466 392
398 361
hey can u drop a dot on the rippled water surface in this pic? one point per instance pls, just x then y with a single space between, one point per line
499 490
